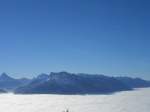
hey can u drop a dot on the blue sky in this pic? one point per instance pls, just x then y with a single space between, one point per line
94 36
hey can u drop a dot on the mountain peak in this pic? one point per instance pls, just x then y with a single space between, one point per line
42 76
63 73
4 76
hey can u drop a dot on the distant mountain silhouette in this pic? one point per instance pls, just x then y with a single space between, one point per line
9 83
67 83
134 82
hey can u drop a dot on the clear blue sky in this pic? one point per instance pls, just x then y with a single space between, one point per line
109 37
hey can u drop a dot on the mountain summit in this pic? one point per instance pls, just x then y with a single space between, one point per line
9 83
4 76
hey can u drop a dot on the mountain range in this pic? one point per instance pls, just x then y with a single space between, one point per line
70 83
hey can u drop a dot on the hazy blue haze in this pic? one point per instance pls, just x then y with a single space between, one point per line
96 36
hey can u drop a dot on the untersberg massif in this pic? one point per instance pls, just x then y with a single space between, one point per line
69 83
